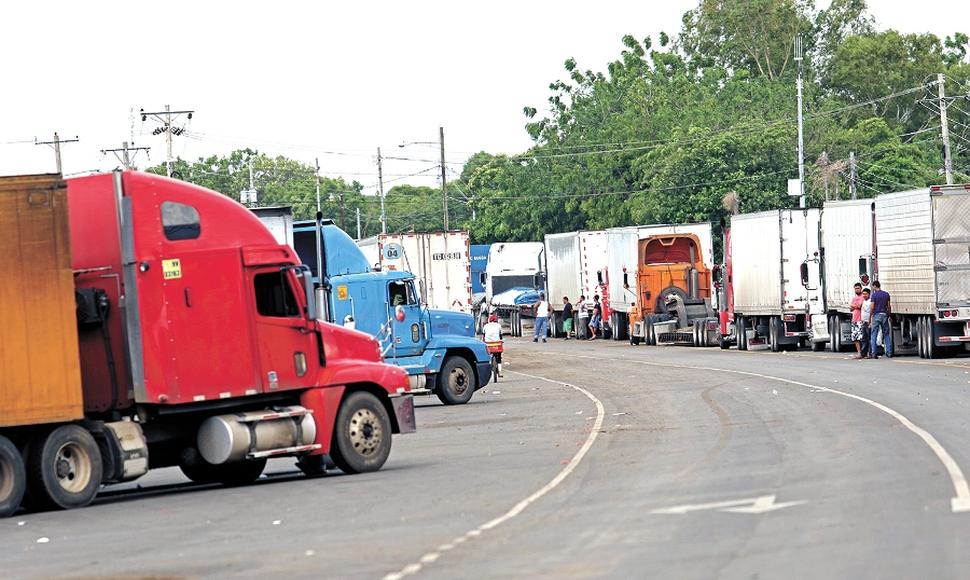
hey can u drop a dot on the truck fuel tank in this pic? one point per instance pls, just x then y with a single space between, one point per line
255 434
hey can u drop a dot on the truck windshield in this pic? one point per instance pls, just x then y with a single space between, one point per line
502 283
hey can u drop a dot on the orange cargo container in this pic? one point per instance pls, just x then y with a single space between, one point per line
40 378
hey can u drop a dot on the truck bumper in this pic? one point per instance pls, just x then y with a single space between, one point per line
484 371
403 406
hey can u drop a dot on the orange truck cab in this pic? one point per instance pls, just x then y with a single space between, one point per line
154 323
673 288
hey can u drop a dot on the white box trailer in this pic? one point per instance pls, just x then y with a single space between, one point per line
771 294
846 240
369 247
621 244
440 261
576 264
923 261
279 220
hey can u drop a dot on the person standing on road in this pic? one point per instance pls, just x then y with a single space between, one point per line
492 333
856 307
596 319
567 317
583 317
542 319
866 311
879 320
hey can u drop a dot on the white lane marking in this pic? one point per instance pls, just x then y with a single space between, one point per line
959 503
751 505
518 508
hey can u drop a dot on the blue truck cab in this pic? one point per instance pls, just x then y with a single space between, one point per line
437 348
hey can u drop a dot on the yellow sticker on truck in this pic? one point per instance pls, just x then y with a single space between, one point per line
172 269
342 293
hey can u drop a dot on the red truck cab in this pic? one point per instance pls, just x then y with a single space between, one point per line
200 347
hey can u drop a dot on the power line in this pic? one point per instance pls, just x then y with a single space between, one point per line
55 144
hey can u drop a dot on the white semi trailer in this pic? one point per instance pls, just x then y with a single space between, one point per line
575 266
923 260
772 279
846 238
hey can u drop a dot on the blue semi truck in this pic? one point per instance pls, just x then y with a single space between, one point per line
437 348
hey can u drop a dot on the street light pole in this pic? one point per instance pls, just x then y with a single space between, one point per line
444 181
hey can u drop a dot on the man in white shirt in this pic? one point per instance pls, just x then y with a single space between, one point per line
542 319
491 333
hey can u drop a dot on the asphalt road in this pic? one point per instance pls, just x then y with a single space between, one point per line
705 464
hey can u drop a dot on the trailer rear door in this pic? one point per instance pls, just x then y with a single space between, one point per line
951 245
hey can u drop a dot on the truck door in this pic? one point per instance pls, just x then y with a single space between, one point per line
410 335
287 348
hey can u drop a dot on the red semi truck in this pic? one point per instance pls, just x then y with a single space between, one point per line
149 323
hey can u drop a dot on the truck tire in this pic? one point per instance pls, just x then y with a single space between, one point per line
13 478
456 381
553 319
662 304
361 434
930 350
773 333
64 468
741 325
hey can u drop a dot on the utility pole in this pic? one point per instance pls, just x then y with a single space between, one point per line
126 155
342 226
947 160
249 197
358 223
317 160
380 186
166 118
444 181
801 139
852 174
55 144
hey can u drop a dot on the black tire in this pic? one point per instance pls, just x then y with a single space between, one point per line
494 370
553 331
649 338
921 337
64 468
833 332
929 333
456 381
773 333
837 336
741 326
361 434
229 474
13 478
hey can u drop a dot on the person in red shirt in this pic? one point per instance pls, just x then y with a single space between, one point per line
857 324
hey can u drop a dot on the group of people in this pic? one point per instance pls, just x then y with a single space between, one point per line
870 316
590 316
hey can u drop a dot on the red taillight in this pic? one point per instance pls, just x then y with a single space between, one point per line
944 314
954 313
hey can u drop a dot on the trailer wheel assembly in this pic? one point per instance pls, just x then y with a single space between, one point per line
13 478
456 381
741 326
362 434
63 468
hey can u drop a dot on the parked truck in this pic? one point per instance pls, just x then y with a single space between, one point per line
621 254
436 347
846 238
576 266
922 259
152 323
673 293
513 277
769 279
440 261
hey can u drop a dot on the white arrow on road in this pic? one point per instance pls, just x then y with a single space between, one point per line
751 505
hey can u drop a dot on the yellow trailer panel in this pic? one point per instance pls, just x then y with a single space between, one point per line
40 376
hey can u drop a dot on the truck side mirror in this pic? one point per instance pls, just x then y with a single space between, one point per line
804 273
303 272
626 280
399 314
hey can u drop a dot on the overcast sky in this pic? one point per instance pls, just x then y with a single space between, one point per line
328 79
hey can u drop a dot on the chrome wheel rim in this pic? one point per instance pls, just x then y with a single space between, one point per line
366 433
